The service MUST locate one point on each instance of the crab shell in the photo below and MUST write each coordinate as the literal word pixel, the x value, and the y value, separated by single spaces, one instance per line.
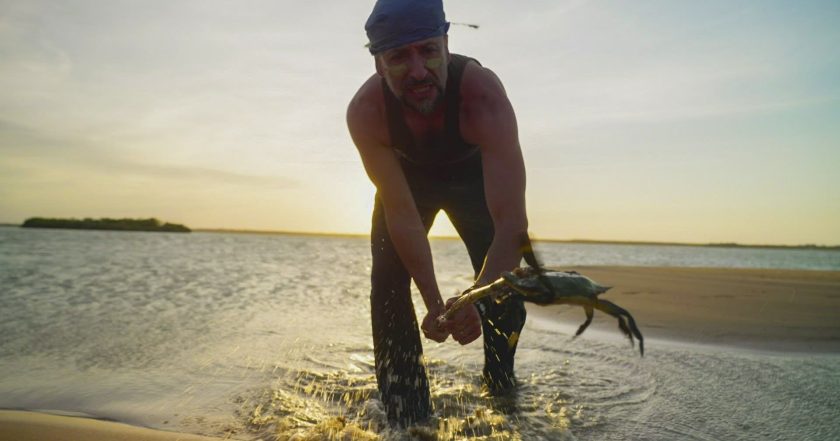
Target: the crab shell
pixel 551 286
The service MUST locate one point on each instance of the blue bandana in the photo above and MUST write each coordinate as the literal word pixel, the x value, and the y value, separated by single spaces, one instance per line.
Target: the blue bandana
pixel 394 23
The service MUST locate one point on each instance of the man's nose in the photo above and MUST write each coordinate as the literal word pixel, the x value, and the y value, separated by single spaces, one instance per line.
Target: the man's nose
pixel 417 67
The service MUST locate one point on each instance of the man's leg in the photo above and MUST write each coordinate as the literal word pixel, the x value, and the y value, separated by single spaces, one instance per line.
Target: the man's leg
pixel 501 323
pixel 398 352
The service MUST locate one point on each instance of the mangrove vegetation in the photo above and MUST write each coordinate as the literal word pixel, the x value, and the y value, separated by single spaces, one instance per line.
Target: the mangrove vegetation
pixel 150 224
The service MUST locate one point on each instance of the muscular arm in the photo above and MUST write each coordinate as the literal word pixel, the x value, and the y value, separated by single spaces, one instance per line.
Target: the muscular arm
pixel 369 133
pixel 488 120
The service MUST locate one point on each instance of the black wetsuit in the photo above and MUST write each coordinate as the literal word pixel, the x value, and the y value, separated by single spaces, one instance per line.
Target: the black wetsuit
pixel 444 175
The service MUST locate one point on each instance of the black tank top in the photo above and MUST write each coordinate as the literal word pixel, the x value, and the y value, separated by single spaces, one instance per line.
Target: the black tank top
pixel 449 147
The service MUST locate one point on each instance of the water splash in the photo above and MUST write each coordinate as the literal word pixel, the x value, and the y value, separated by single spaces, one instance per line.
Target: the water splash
pixel 342 405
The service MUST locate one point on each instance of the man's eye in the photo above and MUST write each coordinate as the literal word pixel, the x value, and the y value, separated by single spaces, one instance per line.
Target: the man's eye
pixel 396 58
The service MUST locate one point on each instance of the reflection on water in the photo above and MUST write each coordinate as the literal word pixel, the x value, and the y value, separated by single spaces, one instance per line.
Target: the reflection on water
pixel 268 337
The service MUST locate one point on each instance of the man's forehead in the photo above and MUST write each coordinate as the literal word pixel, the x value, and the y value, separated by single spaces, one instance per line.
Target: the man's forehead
pixel 440 41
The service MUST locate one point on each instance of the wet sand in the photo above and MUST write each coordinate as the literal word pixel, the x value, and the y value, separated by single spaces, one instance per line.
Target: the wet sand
pixel 33 426
pixel 779 310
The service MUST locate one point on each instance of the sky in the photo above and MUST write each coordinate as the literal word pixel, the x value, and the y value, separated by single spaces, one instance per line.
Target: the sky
pixel 674 121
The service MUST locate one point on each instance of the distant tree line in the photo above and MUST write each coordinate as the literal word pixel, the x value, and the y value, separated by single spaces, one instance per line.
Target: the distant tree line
pixel 150 224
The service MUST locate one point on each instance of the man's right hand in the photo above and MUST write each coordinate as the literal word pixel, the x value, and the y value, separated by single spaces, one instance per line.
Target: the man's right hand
pixel 431 327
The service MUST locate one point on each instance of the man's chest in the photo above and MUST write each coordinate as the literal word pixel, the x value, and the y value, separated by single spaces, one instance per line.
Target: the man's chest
pixel 426 131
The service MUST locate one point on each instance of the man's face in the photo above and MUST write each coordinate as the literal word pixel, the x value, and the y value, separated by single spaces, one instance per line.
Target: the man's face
pixel 416 72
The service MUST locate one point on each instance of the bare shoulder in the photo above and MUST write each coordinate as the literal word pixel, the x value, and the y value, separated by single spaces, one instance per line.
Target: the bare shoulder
pixel 485 107
pixel 368 127
pixel 366 114
pixel 481 86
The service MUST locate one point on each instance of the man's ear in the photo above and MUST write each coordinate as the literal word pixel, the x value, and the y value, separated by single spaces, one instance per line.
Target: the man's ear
pixel 377 61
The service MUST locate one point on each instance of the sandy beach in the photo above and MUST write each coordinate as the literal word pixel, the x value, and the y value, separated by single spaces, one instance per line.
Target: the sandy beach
pixel 33 426
pixel 778 310
pixel 781 310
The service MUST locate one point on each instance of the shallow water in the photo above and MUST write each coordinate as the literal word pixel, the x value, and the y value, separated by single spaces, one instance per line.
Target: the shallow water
pixel 268 337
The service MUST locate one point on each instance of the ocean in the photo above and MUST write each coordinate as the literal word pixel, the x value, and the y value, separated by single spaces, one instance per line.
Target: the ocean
pixel 268 337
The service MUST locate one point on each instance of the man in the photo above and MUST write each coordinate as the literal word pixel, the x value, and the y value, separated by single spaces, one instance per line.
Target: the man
pixel 435 131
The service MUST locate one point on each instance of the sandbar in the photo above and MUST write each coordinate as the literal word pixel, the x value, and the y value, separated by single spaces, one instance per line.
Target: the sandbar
pixel 763 309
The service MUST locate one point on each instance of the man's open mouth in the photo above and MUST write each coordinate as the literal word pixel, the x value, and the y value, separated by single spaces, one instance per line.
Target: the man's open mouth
pixel 422 90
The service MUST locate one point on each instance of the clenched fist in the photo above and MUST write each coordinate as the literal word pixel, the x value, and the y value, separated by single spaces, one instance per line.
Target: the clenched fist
pixel 465 325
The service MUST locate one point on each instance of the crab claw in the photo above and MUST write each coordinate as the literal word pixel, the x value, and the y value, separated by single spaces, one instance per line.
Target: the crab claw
pixel 471 296
pixel 527 251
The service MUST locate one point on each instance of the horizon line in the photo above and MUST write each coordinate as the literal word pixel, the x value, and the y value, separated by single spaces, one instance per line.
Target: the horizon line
pixel 535 239
pixel 554 240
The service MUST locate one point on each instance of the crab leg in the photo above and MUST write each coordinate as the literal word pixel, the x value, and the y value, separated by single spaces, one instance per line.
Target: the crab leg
pixel 624 319
pixel 590 313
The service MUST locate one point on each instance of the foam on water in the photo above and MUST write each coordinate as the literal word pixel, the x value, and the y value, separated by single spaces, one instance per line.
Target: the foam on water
pixel 268 337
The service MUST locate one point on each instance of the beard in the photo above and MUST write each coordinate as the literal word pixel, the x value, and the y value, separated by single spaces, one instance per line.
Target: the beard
pixel 427 105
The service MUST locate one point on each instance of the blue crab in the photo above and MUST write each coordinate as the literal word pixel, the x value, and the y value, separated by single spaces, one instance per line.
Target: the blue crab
pixel 543 287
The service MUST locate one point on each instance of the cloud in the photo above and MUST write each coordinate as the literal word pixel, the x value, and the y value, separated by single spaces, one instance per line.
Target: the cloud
pixel 37 149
